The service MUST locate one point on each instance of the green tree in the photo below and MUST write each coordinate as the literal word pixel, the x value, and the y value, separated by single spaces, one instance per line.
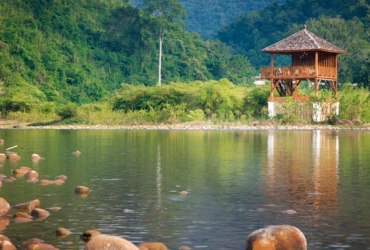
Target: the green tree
pixel 166 13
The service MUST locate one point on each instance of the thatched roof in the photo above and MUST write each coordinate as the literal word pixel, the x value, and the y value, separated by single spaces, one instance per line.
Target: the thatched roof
pixel 303 40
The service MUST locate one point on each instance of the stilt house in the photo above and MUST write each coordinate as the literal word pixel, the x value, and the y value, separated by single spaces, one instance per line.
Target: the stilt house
pixel 313 59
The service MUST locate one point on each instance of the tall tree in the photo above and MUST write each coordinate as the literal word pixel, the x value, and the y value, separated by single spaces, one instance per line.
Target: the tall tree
pixel 167 13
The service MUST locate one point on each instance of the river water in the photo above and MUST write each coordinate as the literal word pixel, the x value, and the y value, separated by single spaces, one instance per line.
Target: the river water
pixel 237 182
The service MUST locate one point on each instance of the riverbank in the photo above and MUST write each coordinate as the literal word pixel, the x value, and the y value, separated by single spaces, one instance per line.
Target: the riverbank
pixel 190 126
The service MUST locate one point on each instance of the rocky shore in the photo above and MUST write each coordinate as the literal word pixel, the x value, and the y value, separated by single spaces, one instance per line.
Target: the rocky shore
pixel 193 126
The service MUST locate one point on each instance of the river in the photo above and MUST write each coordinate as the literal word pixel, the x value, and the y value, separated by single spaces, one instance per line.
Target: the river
pixel 237 182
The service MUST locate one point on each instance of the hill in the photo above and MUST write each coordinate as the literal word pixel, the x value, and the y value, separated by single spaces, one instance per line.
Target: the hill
pixel 206 17
pixel 82 51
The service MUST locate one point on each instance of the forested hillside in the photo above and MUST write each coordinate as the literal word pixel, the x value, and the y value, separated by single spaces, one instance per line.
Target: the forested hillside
pixel 206 17
pixel 343 23
pixel 82 51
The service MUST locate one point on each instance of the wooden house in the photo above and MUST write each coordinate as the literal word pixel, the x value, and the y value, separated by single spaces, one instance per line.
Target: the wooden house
pixel 313 59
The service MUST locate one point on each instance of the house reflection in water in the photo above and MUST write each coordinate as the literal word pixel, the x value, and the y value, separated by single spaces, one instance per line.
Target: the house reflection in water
pixel 303 169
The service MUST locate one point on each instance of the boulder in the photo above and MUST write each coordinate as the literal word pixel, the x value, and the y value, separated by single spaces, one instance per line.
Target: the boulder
pixel 152 246
pixel 40 214
pixel 277 237
pixel 101 242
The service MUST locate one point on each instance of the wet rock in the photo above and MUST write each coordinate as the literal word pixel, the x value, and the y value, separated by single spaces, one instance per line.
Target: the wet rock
pixel 184 248
pixel 277 237
pixel 4 207
pixel 183 192
pixel 36 157
pixel 61 177
pixel 88 234
pixel 2 157
pixel 58 182
pixel 62 232
pixel 31 175
pixel 28 205
pixel 21 215
pixel 102 241
pixel 21 171
pixel 10 179
pixel 46 182
pixel 4 222
pixel 76 153
pixel 82 190
pixel 41 246
pixel 5 243
pixel 152 246
pixel 14 157
pixel 28 242
pixel 40 214
pixel 54 208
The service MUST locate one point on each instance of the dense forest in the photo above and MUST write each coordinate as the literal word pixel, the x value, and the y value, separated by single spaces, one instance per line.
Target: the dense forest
pixel 205 17
pixel 82 51
pixel 65 54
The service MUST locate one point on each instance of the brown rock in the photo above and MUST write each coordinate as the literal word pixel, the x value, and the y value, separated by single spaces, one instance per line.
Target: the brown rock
pixel 62 232
pixel 277 237
pixel 76 153
pixel 46 182
pixel 36 157
pixel 88 234
pixel 82 190
pixel 152 246
pixel 22 220
pixel 31 175
pixel 28 205
pixel 14 157
pixel 2 157
pixel 6 245
pixel 41 246
pixel 184 248
pixel 4 207
pixel 21 171
pixel 61 177
pixel 100 242
pixel 21 215
pixel 59 182
pixel 4 222
pixel 28 242
pixel 39 214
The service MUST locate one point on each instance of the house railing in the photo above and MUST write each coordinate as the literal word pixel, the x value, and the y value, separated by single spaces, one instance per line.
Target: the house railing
pixel 297 72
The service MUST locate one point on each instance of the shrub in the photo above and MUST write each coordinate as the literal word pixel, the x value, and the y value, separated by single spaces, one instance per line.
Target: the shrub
pixel 67 111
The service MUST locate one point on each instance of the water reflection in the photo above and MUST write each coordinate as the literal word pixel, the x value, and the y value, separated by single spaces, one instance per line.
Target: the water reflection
pixel 304 169
pixel 159 178
pixel 239 181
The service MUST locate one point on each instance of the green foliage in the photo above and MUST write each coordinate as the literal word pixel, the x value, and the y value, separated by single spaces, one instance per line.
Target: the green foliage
pixel 255 101
pixel 82 51
pixel 218 100
pixel 67 111
pixel 354 103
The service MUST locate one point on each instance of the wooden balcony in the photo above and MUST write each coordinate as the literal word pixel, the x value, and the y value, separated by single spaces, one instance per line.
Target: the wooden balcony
pixel 298 72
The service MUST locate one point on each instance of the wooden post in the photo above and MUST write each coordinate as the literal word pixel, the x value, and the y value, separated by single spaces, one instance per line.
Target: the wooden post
pixel 336 76
pixel 316 73
pixel 272 87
